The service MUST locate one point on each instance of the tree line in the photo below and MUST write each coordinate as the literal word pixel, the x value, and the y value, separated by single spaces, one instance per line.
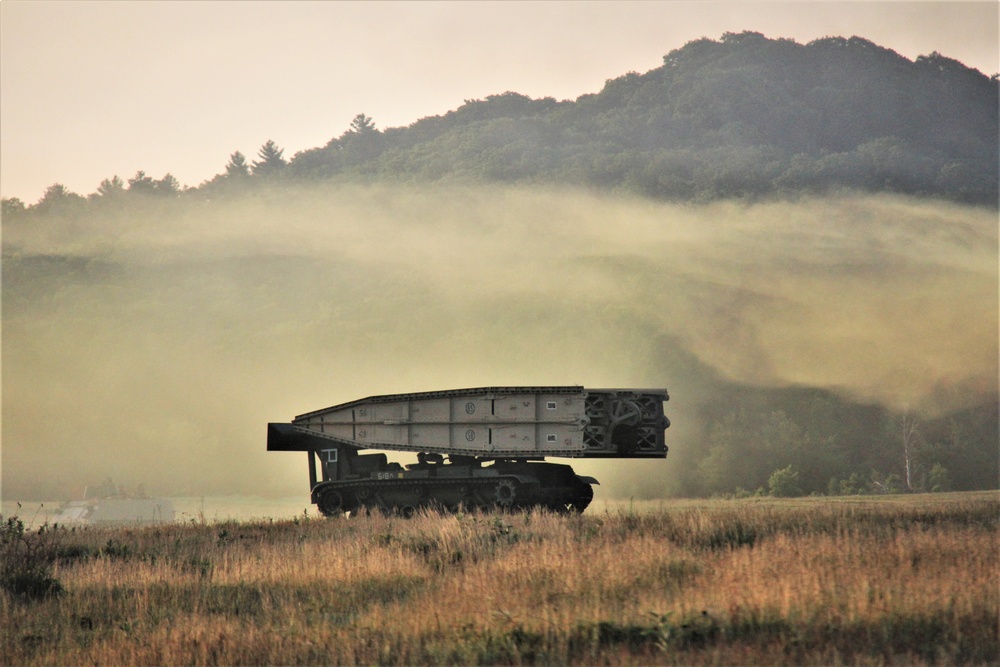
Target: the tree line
pixel 743 116
pixel 809 441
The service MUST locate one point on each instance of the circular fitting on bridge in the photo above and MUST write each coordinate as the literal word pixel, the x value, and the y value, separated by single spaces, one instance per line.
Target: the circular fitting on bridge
pixel 625 413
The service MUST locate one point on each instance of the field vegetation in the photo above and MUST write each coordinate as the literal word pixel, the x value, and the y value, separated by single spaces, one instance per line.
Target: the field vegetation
pixel 894 580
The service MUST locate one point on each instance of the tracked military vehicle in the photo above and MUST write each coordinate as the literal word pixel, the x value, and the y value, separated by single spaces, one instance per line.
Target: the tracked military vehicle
pixel 476 448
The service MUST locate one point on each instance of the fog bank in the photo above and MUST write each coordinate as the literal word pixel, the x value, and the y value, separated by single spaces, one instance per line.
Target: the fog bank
pixel 155 347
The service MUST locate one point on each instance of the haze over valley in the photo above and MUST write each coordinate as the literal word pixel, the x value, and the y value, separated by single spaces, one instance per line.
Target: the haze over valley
pixel 804 272
pixel 156 347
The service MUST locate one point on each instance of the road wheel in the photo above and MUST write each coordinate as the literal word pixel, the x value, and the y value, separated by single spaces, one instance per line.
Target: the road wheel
pixel 331 503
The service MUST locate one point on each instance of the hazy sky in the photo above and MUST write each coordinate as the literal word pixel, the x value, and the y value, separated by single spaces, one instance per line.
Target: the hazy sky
pixel 95 89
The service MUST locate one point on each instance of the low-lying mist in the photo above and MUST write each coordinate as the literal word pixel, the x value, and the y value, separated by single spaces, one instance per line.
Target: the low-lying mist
pixel 155 347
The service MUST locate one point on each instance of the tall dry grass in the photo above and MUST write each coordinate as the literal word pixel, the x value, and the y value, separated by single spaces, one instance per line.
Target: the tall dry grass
pixel 905 581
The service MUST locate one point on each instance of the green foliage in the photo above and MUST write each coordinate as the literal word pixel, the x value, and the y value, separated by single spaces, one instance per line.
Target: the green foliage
pixel 837 446
pixel 938 479
pixel 271 162
pixel 26 560
pixel 59 201
pixel 784 483
pixel 141 184
pixel 11 207
pixel 965 442
pixel 858 484
pixel 891 483
pixel 111 187
pixel 168 185
pixel 853 485
pixel 237 166
pixel 117 550
pixel 744 116
pixel 747 445
pixel 362 124
pixel 663 632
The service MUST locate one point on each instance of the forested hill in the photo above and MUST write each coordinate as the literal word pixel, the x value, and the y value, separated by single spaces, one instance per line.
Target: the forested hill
pixel 742 116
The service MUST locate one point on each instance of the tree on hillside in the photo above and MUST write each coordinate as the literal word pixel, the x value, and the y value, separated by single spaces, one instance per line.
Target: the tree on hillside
pixel 141 184
pixel 271 162
pixel 167 186
pixel 237 167
pixel 111 187
pixel 362 125
pixel 11 206
pixel 54 193
pixel 58 198
pixel 361 142
pixel 744 116
pixel 235 177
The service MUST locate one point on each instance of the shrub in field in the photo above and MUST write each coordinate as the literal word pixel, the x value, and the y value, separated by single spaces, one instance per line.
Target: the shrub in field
pixel 891 483
pixel 784 483
pixel 852 486
pixel 26 559
pixel 938 479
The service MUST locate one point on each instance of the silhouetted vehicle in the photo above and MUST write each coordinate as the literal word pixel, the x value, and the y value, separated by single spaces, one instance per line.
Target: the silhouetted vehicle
pixel 495 440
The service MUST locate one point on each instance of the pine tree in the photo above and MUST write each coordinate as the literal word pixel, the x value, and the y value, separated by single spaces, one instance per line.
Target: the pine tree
pixel 111 187
pixel 271 162
pixel 237 167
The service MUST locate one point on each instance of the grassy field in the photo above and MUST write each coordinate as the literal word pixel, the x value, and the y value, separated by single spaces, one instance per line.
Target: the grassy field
pixel 898 580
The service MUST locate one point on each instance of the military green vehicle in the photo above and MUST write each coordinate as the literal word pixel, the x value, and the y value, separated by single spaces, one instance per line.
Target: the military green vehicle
pixel 476 448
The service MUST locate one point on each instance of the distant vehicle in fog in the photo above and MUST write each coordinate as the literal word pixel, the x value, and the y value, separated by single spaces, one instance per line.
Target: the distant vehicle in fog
pixel 111 504
pixel 115 511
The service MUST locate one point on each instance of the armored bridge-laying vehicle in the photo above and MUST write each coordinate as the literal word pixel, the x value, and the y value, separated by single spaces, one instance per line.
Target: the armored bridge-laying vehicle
pixel 495 440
